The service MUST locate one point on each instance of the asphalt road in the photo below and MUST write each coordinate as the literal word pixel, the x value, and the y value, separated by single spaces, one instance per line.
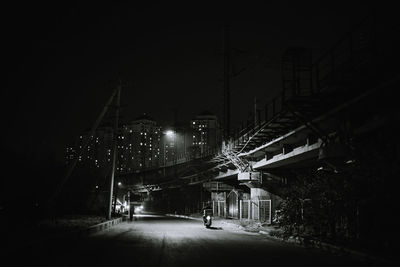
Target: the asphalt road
pixel 156 240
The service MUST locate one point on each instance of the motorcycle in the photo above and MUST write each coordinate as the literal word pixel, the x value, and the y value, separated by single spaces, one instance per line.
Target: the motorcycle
pixel 207 217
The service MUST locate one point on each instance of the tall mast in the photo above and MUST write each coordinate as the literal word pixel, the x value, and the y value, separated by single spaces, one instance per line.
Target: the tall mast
pixel 83 148
pixel 227 104
pixel 114 158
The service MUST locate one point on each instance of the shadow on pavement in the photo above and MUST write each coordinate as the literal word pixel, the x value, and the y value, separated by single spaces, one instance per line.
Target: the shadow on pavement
pixel 215 228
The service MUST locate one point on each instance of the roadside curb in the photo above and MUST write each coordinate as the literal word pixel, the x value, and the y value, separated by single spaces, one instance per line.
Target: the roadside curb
pixel 100 227
pixel 73 234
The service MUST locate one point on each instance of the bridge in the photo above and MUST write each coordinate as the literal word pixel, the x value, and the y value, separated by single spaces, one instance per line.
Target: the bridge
pixel 324 108
pixel 324 119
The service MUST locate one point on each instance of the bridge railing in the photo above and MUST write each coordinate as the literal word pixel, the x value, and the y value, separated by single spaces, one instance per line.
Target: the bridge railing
pixel 270 111
pixel 352 55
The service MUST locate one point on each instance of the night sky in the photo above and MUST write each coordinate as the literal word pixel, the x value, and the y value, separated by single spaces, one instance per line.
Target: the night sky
pixel 62 61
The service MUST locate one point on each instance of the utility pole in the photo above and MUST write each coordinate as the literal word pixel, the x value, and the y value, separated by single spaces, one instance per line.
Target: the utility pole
pixel 174 136
pixel 60 186
pixel 116 189
pixel 227 104
pixel 255 112
pixel 114 160
pixel 129 205
pixel 175 130
pixel 164 148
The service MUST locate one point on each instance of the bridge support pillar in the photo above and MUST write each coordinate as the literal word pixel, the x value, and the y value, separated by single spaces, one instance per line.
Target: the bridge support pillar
pixel 263 203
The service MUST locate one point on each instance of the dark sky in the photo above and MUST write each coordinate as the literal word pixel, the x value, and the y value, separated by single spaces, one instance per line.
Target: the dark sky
pixel 62 61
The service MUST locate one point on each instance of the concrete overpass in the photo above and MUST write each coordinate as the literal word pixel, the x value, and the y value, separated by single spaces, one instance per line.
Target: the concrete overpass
pixel 323 105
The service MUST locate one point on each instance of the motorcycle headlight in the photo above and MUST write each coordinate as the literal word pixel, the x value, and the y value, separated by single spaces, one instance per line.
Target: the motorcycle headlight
pixel 208 217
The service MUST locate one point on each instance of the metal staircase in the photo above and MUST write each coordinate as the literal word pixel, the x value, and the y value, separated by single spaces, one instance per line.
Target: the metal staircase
pixel 239 163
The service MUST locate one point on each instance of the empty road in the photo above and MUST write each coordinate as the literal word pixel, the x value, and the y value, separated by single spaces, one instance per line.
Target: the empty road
pixel 157 240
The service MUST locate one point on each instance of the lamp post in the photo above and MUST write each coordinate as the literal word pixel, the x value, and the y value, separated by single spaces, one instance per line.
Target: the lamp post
pixel 168 134
pixel 115 152
pixel 129 205
pixel 165 147
pixel 115 196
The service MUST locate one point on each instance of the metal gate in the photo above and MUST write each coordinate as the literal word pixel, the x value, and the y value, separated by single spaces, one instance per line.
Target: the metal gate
pixel 265 211
pixel 245 209
pixel 219 208
pixel 233 204
pixel 261 210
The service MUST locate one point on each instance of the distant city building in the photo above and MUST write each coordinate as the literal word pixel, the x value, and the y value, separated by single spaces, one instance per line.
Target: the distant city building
pixel 206 132
pixel 98 150
pixel 140 144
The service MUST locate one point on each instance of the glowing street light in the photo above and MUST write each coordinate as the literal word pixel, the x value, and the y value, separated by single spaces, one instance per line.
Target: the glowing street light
pixel 170 133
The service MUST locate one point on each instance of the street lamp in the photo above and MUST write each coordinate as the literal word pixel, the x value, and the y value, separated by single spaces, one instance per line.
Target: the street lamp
pixel 169 134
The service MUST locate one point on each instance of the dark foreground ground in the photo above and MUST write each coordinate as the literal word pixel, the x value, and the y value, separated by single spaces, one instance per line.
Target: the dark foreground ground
pixel 157 240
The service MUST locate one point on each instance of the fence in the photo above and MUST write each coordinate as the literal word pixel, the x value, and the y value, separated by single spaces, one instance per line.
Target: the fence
pixel 259 210
pixel 219 208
